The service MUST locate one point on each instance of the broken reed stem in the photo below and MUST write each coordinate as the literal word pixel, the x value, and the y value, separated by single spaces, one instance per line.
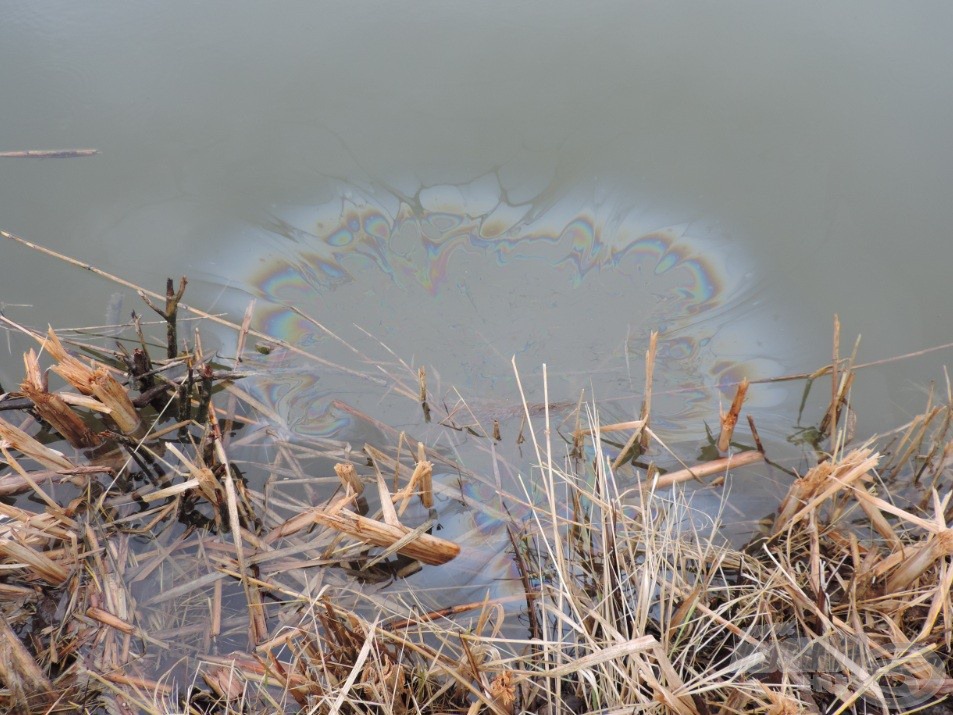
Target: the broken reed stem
pixel 52 408
pixel 424 548
pixel 730 418
pixel 243 333
pixel 349 479
pixel 40 453
pixel 13 484
pixel 627 448
pixel 99 383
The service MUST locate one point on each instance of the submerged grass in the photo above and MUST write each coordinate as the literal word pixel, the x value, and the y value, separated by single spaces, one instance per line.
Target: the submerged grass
pixel 142 571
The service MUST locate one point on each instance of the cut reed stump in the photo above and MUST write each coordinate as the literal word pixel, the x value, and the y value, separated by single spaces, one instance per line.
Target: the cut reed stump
pixel 730 418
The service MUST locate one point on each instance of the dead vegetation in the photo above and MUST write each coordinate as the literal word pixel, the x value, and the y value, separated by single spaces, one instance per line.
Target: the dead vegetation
pixel 142 570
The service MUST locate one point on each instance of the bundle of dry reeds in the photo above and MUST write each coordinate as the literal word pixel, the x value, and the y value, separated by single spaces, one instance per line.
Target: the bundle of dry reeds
pixel 138 549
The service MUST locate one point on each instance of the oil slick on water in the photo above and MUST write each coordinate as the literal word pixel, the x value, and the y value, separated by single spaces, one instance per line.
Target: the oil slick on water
pixel 458 279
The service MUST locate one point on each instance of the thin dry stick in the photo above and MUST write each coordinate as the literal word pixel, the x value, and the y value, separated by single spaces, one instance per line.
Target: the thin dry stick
pixel 716 466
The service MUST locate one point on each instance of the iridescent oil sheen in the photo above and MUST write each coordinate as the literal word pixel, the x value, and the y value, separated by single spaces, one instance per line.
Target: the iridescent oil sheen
pixel 460 281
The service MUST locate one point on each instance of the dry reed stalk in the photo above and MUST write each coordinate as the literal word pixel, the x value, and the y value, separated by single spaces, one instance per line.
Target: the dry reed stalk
pixel 606 429
pixel 257 626
pixel 297 523
pixel 243 332
pixel 716 466
pixel 862 495
pixel 383 461
pixel 942 605
pixel 840 388
pixel 912 440
pixel 108 619
pixel 39 564
pixel 647 398
pixel 31 528
pixel 225 682
pixel 730 419
pixel 143 684
pixel 876 517
pixel 829 422
pixel 203 479
pixel 252 668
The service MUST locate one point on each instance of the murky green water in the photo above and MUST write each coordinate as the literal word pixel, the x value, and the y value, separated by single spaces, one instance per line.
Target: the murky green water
pixel 470 182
